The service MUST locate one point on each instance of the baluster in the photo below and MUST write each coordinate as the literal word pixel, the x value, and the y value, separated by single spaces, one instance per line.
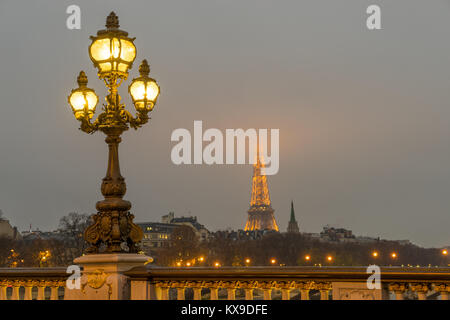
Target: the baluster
pixel 231 293
pixel 54 286
pixel 28 289
pixel 164 293
pixel 286 288
pixel 214 293
pixel 3 286
pixel 304 288
pixel 180 293
pixel 15 292
pixel 41 290
pixel 231 287
pixel 249 293
pixel 249 286
pixel 324 289
pixel 197 293
pixel 304 294
pixel 213 289
pixel 285 294
pixel 196 288
pixel 267 290
pixel 398 289
pixel 180 286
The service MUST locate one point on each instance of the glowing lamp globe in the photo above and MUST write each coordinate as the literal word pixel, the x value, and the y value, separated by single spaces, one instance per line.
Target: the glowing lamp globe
pixel 112 51
pixel 83 100
pixel 144 90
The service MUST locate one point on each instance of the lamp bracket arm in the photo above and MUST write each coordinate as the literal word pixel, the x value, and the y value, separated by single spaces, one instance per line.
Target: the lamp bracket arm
pixel 87 126
pixel 138 121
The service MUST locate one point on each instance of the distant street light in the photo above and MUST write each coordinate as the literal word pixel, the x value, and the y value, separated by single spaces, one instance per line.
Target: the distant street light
pixel 247 261
pixel 444 252
pixel 329 258
pixel 273 261
pixel 375 254
pixel 216 264
pixel 307 257
pixel 394 255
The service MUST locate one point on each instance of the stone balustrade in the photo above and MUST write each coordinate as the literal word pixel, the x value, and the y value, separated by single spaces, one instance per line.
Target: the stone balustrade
pixel 238 283
pixel 32 283
pixel 286 283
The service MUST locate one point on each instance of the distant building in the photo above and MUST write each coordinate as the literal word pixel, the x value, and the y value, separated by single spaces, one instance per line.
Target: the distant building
pixel 336 234
pixel 8 231
pixel 158 234
pixel 199 229
pixel 293 225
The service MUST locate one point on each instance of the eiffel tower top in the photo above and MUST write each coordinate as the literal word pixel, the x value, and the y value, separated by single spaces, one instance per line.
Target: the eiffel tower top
pixel 260 190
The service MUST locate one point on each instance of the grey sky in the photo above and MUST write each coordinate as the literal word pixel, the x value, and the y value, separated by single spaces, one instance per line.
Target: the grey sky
pixel 364 116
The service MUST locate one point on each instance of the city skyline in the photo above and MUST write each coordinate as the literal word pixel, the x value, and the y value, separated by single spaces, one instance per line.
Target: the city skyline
pixel 364 116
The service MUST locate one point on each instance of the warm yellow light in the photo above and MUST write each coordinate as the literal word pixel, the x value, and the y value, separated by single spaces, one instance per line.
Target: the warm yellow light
pixel 329 258
pixel 178 264
pixel 137 90
pixel 307 257
pixel 83 100
pixel 188 264
pixel 144 93
pixel 114 54
pixel 152 90
pixel 128 51
pixel 247 261
pixel 115 49
pixel 144 90
pixel 444 252
pixel 374 254
pixel 201 259
pixel 393 255
pixel 273 261
pixel 216 264
pixel 79 100
pixel 101 49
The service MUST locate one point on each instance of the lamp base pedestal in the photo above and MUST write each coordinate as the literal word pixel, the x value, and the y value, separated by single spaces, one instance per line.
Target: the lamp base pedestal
pixel 103 276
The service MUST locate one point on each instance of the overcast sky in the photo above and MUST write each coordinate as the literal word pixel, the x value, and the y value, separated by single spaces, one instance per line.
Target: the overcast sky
pixel 364 116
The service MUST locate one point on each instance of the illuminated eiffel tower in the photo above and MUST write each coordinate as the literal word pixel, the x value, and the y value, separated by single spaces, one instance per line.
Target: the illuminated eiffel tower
pixel 260 214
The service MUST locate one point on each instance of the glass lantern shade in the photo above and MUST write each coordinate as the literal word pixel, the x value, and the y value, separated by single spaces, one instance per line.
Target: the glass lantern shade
pixel 144 93
pixel 144 90
pixel 112 52
pixel 83 100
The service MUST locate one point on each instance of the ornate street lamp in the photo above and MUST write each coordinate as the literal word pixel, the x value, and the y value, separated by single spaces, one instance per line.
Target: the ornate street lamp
pixel 113 54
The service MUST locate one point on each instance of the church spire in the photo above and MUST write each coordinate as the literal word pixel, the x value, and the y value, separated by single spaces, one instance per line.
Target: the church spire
pixel 293 225
pixel 292 212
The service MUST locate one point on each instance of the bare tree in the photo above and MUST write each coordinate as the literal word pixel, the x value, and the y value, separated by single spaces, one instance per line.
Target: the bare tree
pixel 72 228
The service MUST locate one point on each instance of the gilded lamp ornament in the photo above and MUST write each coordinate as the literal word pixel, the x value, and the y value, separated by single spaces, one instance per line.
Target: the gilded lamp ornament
pixel 113 54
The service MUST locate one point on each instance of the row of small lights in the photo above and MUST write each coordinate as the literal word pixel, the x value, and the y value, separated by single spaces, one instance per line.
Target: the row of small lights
pixel 273 261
